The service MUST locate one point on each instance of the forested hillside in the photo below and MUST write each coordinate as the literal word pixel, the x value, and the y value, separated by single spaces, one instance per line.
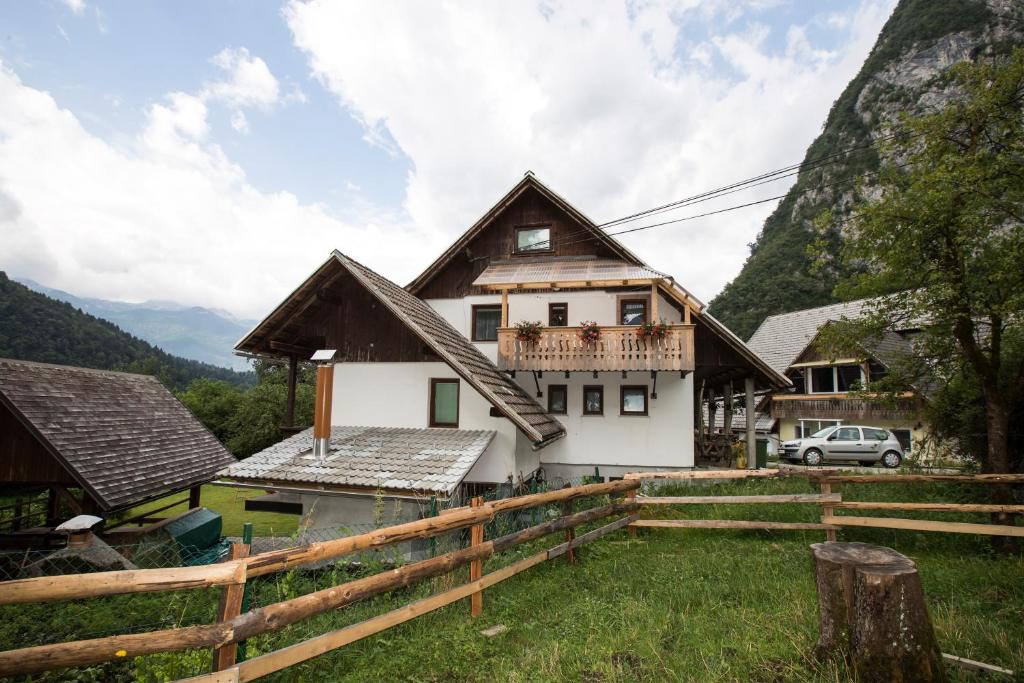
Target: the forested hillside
pixel 35 327
pixel 921 40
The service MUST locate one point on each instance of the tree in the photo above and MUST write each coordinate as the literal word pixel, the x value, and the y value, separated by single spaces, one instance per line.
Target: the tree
pixel 941 246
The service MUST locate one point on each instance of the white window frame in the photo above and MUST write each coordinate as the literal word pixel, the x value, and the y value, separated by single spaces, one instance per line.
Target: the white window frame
pixel 803 431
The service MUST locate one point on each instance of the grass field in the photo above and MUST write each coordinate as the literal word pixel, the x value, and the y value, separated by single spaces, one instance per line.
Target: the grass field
pixel 671 605
pixel 230 503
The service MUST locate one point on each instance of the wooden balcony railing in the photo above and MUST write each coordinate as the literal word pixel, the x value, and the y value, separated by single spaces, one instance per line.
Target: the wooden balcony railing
pixel 619 348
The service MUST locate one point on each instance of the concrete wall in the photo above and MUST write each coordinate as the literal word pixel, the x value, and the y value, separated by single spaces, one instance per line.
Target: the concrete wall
pixel 398 395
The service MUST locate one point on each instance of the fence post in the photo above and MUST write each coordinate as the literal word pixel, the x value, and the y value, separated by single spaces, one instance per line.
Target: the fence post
pixel 230 607
pixel 570 533
pixel 433 513
pixel 826 512
pixel 631 498
pixel 476 600
pixel 247 593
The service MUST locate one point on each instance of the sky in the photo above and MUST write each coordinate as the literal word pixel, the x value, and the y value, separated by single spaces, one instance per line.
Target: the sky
pixel 215 152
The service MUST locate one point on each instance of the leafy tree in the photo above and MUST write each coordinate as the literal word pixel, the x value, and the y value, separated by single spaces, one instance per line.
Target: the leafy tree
pixel 942 248
pixel 215 404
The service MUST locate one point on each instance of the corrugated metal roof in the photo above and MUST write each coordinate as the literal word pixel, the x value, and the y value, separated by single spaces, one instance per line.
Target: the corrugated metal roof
pixel 123 437
pixel 391 458
pixel 531 270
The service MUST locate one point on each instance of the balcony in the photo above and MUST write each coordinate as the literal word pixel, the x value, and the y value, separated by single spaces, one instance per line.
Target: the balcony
pixel 561 349
pixel 841 406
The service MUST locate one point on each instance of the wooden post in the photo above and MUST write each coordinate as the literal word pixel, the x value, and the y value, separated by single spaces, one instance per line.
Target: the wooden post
pixel 686 314
pixel 194 495
pixel 872 610
pixel 52 507
pixel 826 513
pixel 247 591
pixel 654 302
pixel 504 308
pixel 631 498
pixel 230 607
pixel 570 533
pixel 727 413
pixel 748 388
pixel 476 568
pixel 289 410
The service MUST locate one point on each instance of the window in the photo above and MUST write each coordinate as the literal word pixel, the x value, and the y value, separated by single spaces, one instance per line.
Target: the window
pixel 875 434
pixel 633 400
pixel 530 240
pixel 903 436
pixel 876 371
pixel 808 427
pixel 593 400
pixel 848 377
pixel 444 403
pixel 823 380
pixel 799 383
pixel 558 315
pixel 558 399
pixel 632 311
pixel 847 434
pixel 486 320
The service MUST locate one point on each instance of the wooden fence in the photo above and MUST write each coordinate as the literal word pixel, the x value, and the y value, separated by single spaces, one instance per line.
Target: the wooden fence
pixel 233 625
pixel 830 501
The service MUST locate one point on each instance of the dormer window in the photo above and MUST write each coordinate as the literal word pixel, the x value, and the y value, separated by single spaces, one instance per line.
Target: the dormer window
pixel 533 240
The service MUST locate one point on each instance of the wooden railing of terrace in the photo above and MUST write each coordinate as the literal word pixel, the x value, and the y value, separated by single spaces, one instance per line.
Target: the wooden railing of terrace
pixel 619 348
pixel 233 626
pixel 829 501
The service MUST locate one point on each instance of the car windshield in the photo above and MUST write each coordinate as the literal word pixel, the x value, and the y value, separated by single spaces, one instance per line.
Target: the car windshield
pixel 822 433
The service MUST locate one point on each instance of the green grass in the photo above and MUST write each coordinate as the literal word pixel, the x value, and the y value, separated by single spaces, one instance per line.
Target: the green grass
pixel 230 503
pixel 671 605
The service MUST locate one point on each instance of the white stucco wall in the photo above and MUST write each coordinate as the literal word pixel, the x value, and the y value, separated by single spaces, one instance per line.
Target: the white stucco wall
pixel 398 395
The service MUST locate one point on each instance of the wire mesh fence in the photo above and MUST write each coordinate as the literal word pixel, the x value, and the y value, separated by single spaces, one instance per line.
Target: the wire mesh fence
pixel 38 624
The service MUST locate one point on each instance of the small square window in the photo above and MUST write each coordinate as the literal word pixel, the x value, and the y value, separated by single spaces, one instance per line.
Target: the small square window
pixel 633 312
pixel 558 315
pixel 558 399
pixel 634 400
pixel 529 240
pixel 444 403
pixel 593 400
pixel 486 320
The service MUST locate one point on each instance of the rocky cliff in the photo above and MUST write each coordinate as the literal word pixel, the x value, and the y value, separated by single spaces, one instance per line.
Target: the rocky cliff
pixel 921 40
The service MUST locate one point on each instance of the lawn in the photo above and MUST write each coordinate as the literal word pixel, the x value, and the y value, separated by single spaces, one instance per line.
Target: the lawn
pixel 670 605
pixel 230 503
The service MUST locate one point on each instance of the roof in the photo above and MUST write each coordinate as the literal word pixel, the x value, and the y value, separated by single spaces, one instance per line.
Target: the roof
pixel 529 181
pixel 563 269
pixel 390 458
pixel 445 341
pixel 783 337
pixel 123 437
pixel 762 421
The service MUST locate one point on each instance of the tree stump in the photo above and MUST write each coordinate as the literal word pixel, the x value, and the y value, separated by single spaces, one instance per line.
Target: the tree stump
pixel 872 611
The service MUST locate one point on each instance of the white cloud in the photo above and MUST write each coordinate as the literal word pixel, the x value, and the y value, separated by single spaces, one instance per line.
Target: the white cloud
pixel 76 6
pixel 166 215
pixel 249 81
pixel 597 99
pixel 239 122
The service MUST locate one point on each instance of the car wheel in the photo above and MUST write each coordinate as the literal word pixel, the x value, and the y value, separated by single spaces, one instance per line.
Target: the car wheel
pixel 892 459
pixel 812 457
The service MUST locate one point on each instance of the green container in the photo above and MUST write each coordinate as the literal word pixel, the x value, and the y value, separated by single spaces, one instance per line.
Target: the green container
pixel 761 447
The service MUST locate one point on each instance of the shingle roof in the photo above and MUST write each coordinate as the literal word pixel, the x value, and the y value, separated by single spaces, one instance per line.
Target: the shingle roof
pixel 762 421
pixel 781 338
pixel 389 458
pixel 460 354
pixel 123 437
pixel 564 269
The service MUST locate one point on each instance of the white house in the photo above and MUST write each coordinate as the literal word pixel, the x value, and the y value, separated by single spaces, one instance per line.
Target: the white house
pixel 441 374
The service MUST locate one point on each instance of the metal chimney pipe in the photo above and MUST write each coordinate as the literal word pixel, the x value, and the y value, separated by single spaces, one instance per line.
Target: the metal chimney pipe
pixel 322 407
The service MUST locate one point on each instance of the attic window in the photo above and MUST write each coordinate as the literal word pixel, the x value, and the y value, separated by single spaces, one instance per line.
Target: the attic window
pixel 531 240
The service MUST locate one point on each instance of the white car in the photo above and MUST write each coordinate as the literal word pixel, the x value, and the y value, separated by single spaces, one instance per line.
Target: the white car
pixel 866 445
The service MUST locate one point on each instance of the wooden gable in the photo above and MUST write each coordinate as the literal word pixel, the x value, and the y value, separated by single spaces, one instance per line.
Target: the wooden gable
pixel 493 238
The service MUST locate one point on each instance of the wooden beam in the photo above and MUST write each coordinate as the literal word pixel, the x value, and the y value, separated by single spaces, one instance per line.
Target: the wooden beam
pixel 294 349
pixel 925 525
pixel 504 308
pixel 729 524
pixel 928 507
pixel 972 665
pixel 476 567
pixel 194 496
pixel 897 478
pixel 654 302
pixel 741 500
pixel 705 474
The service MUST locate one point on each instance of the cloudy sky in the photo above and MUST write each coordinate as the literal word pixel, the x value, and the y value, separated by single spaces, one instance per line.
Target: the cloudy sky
pixel 213 153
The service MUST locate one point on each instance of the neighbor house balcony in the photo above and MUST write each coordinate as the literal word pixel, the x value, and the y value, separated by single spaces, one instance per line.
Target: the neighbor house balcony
pixel 843 406
pixel 619 348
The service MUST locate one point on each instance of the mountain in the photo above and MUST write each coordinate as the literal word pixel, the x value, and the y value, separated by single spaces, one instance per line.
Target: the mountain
pixel 36 327
pixel 920 41
pixel 201 334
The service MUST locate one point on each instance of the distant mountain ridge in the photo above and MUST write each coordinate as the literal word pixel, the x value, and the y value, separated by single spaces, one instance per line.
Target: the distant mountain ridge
pixel 202 334
pixel 920 42
pixel 34 326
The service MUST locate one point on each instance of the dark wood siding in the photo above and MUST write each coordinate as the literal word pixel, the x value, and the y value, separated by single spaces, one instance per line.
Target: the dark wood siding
pixel 497 241
pixel 23 459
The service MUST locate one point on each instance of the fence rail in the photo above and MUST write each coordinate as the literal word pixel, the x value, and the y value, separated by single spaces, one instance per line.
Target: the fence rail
pixel 234 626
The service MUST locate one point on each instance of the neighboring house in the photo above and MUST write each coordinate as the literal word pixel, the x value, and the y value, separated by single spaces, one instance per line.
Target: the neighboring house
pixel 100 441
pixel 822 385
pixel 439 363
